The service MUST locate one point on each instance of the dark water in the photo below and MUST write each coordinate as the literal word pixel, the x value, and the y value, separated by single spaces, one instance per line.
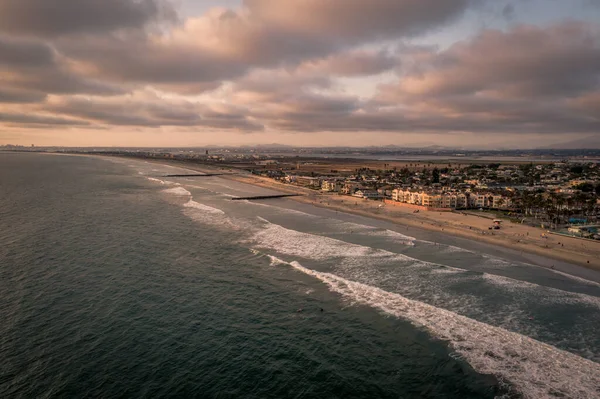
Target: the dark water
pixel 113 285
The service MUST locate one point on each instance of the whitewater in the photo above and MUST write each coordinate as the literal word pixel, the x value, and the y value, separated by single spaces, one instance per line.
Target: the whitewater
pixel 505 341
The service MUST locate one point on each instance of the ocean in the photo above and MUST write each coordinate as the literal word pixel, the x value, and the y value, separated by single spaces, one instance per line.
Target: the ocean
pixel 117 281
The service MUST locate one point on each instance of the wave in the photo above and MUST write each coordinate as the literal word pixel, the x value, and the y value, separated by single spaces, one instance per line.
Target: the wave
pixel 305 245
pixel 345 227
pixel 202 207
pixel 578 279
pixel 177 191
pixel 359 259
pixel 532 368
pixel 155 180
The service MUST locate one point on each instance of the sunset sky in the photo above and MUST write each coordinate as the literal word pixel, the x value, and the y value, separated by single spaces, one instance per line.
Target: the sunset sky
pixel 493 73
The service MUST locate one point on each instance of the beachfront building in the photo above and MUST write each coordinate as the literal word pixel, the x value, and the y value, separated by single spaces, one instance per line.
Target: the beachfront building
pixel 350 187
pixel 306 181
pixel 368 194
pixel 331 186
pixel 450 199
pixel 489 201
pixel 455 200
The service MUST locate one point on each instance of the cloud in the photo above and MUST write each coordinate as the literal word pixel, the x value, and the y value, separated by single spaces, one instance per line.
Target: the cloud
pixel 27 119
pixel 30 68
pixel 508 12
pixel 351 63
pixel 224 44
pixel 61 17
pixel 20 96
pixel 357 20
pixel 293 66
pixel 25 52
pixel 527 79
pixel 146 109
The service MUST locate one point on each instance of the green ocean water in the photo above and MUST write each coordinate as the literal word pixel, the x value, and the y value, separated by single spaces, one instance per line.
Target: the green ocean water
pixel 118 282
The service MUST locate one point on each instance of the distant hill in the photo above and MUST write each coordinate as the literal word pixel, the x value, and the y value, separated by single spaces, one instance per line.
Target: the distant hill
pixel 590 142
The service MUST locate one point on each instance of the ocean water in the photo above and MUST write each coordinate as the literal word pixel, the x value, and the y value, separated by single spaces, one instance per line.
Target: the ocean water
pixel 118 282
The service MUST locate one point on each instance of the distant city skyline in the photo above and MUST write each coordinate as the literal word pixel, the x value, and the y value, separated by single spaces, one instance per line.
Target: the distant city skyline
pixel 458 73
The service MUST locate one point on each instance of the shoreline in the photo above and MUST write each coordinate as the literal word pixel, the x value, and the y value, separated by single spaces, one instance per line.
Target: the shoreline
pixel 514 237
pixel 528 244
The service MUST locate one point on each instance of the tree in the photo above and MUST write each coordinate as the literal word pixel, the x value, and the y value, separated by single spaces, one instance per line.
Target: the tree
pixel 435 175
pixel 576 170
pixel 585 187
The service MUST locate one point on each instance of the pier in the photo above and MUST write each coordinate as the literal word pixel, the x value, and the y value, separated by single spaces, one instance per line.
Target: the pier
pixel 260 197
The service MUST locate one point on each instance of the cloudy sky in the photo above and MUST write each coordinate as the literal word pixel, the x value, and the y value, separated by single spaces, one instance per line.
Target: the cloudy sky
pixel 495 73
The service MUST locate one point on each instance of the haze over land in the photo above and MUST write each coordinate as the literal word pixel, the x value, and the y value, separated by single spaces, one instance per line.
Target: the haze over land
pixel 458 73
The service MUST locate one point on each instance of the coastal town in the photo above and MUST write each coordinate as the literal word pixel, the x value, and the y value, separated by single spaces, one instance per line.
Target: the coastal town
pixel 562 196
pixel 555 191
pixel 553 195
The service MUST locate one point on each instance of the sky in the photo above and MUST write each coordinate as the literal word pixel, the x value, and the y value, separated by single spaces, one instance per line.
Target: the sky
pixel 156 73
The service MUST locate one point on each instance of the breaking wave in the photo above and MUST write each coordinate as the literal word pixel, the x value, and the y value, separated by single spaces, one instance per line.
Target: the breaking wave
pixel 533 369
pixel 177 191
pixel 202 207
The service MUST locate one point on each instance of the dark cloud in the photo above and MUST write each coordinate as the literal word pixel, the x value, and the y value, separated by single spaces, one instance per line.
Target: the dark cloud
pixel 26 119
pixel 30 69
pixel 508 12
pixel 20 96
pixel 147 110
pixel 60 17
pixel 19 52
pixel 358 20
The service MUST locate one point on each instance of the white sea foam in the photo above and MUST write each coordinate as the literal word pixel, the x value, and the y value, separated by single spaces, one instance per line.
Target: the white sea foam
pixel 202 207
pixel 534 369
pixel 445 248
pixel 415 275
pixel 275 261
pixel 281 209
pixel 177 191
pixel 575 278
pixel 296 243
pixel 391 235
pixel 152 179
pixel 543 293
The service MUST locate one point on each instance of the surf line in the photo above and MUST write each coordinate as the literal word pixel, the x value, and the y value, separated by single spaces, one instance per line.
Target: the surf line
pixel 529 366
pixel 259 197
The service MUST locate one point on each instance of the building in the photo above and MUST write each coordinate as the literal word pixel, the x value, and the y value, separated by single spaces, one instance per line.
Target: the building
pixel 450 199
pixel 350 187
pixel 331 186
pixel 368 194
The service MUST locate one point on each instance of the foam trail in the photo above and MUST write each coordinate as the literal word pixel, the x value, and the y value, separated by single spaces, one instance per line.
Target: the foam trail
pixel 155 180
pixel 534 369
pixel 292 242
pixel 356 259
pixel 202 207
pixel 575 278
pixel 177 191
pixel 282 210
